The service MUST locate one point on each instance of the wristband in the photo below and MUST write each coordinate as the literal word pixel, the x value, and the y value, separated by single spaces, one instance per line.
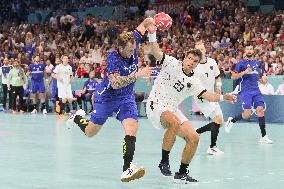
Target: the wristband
pixel 221 98
pixel 152 37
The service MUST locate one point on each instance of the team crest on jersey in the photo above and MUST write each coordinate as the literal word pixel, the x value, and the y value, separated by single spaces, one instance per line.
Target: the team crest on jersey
pixel 188 85
pixel 211 67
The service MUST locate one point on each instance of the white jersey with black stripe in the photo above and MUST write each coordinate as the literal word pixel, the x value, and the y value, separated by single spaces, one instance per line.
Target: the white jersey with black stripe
pixel 172 86
pixel 207 73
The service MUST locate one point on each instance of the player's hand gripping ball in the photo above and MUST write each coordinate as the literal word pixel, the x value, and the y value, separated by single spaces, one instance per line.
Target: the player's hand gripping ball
pixel 163 21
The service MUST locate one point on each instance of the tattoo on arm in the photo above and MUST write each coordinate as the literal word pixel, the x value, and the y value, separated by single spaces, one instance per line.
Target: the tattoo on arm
pixel 118 81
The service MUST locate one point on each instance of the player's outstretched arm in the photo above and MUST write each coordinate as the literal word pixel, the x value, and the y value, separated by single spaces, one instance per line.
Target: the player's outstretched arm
pixel 213 97
pixel 156 51
pixel 117 81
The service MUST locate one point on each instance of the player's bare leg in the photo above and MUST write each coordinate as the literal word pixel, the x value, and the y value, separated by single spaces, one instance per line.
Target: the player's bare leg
pixel 191 137
pixel 171 123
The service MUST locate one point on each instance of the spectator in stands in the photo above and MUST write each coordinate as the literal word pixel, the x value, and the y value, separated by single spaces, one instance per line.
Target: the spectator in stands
pixel 280 89
pixel 265 87
pixel 81 71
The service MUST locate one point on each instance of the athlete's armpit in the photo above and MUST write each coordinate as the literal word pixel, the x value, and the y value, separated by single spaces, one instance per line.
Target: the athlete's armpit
pixel 118 81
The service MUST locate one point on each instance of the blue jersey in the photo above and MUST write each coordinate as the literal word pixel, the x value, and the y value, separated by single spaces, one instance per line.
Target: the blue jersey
pixel 53 81
pixel 124 67
pixel 37 71
pixel 248 82
pixel 30 50
pixel 5 70
pixel 90 85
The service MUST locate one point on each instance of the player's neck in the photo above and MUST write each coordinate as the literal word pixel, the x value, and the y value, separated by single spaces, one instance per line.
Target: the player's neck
pixel 203 60
pixel 187 72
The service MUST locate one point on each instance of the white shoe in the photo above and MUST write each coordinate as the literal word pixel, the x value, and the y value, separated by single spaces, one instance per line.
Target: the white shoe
pixel 70 122
pixel 34 111
pixel 132 173
pixel 265 140
pixel 214 151
pixel 229 125
pixel 44 111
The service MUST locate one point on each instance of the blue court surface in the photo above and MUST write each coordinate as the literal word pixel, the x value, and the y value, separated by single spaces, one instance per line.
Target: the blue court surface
pixel 39 152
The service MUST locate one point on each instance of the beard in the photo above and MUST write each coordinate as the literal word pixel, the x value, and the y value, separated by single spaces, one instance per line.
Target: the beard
pixel 249 55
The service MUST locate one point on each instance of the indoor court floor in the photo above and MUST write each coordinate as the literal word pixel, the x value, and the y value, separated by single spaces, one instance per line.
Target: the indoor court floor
pixel 38 152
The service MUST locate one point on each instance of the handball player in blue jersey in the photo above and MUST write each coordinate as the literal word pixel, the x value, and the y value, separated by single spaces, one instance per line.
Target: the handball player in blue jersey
pixel 88 90
pixel 247 73
pixel 37 71
pixel 115 96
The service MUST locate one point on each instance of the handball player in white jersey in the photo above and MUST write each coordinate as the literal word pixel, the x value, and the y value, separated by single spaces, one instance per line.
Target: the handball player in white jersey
pixel 64 76
pixel 174 84
pixel 209 75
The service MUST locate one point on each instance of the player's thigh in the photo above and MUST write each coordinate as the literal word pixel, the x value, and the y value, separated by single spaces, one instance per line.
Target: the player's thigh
pixel 246 100
pixel 188 133
pixel 126 110
pixel 101 112
pixel 172 119
pixel 41 87
pixel 217 115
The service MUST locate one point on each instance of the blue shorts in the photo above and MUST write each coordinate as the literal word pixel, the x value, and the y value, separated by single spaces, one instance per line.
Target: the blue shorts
pixel 122 111
pixel 251 100
pixel 37 86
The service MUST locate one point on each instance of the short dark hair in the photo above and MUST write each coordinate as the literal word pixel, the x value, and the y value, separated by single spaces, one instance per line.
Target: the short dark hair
pixel 249 43
pixel 195 52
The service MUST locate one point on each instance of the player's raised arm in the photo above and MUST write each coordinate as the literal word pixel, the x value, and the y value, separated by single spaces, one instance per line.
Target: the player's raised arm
pixel 163 22
pixel 146 25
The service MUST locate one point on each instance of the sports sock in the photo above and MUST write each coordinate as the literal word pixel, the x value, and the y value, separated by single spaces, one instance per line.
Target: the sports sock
pixel 34 106
pixel 43 106
pixel 183 168
pixel 128 150
pixel 204 128
pixel 81 122
pixel 165 156
pixel 261 121
pixel 214 133
pixel 62 108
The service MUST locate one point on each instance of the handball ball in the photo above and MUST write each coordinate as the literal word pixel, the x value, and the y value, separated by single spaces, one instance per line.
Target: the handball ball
pixel 163 21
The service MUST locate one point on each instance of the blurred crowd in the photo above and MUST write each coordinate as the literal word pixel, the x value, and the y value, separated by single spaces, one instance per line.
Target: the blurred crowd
pixel 225 26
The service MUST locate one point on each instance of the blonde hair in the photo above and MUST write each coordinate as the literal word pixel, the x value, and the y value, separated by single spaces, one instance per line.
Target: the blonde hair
pixel 124 38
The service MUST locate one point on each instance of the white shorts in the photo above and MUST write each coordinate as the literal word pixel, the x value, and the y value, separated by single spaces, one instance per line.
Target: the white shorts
pixel 155 110
pixel 65 91
pixel 209 109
